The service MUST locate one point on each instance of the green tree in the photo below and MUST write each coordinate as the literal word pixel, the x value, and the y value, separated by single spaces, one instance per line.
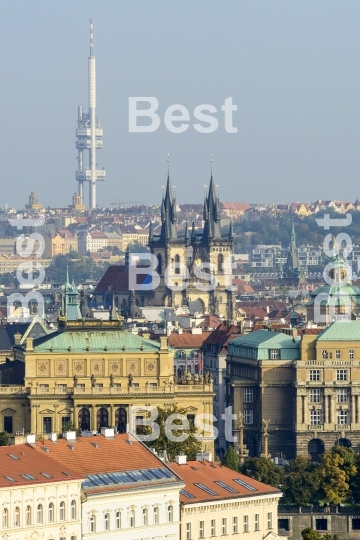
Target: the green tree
pixel 311 534
pixel 3 438
pixel 301 482
pixel 334 480
pixel 190 445
pixel 264 470
pixel 231 459
pixel 136 247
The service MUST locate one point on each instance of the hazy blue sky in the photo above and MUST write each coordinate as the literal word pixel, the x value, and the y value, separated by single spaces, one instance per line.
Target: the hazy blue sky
pixel 291 67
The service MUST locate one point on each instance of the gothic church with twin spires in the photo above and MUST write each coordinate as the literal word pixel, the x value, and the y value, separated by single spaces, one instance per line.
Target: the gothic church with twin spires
pixel 189 249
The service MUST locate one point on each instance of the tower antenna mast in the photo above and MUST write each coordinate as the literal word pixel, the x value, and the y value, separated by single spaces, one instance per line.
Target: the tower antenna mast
pixel 89 135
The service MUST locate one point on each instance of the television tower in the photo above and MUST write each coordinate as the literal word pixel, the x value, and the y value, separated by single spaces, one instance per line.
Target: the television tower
pixel 89 136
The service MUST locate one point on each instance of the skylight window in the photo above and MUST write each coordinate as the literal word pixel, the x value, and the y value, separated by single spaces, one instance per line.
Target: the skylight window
pixel 225 486
pixel 187 494
pixel 244 484
pixel 28 476
pixel 66 473
pixel 206 489
pixel 46 475
pixel 195 468
pixel 10 479
pixel 12 456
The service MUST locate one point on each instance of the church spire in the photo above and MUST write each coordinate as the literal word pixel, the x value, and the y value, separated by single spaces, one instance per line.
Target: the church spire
pixel 168 215
pixel 211 214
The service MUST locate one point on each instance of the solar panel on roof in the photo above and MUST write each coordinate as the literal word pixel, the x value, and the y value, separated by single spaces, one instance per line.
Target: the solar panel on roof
pixel 206 489
pixel 244 484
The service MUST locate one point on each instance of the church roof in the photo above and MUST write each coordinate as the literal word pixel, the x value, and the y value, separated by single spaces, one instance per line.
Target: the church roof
pixel 94 341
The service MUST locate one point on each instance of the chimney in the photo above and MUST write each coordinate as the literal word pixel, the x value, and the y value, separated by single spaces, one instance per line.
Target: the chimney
pixel 17 338
pixel 201 456
pixel 180 331
pixel 52 437
pixel 29 344
pixel 146 335
pixel 267 309
pixel 70 435
pixel 181 459
pixel 31 438
pixel 109 433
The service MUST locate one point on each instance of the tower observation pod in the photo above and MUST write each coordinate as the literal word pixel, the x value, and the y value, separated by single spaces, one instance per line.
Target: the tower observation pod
pixel 89 135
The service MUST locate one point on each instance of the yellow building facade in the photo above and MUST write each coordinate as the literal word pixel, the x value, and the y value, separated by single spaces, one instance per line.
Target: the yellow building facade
pixel 92 374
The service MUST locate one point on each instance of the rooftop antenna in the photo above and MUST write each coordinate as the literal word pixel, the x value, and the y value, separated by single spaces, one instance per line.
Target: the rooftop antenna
pixel 168 162
pixel 211 161
pixel 91 38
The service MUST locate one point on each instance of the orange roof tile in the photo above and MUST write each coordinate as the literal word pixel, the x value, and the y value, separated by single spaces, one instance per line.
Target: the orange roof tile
pixel 26 461
pixel 207 474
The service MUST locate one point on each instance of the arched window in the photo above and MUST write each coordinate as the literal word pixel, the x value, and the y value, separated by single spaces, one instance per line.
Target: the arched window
pixel 145 516
pixel 102 418
pixel 177 264
pixel 39 514
pixel 107 522
pixel 84 419
pixel 121 419
pixel 92 524
pixel 118 520
pixel 156 515
pixel 170 513
pixel 17 517
pixel 28 515
pixel 132 518
pixel 181 354
pixel 62 511
pixel 51 513
pixel 220 262
pixel 73 509
pixel 5 518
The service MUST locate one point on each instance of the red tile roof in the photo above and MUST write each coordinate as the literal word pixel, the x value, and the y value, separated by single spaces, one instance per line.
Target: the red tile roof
pixel 114 454
pixel 29 462
pixel 221 336
pixel 206 473
pixel 187 340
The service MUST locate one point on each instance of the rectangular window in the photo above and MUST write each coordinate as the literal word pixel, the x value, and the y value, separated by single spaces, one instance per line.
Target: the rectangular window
pixel 47 424
pixel 246 523
pixel 44 387
pixel 248 416
pixel 338 355
pixel 314 374
pixel 269 520
pixel 325 355
pixel 117 386
pixel 202 529
pixel 188 531
pixel 351 355
pixel 274 354
pixel 65 420
pixel 341 374
pixel 257 522
pixel 321 524
pixel 235 525
pixel 212 527
pixel 315 395
pixel 315 418
pixel 342 395
pixel 342 417
pixel 248 395
pixel 8 424
pixel 224 526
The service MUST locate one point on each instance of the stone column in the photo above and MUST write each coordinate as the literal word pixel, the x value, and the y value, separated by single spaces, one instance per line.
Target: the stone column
pixel 353 409
pixel 112 419
pixel 93 417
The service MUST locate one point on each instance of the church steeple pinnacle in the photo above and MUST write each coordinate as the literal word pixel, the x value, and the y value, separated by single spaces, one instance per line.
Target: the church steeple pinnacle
pixel 211 213
pixel 168 214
